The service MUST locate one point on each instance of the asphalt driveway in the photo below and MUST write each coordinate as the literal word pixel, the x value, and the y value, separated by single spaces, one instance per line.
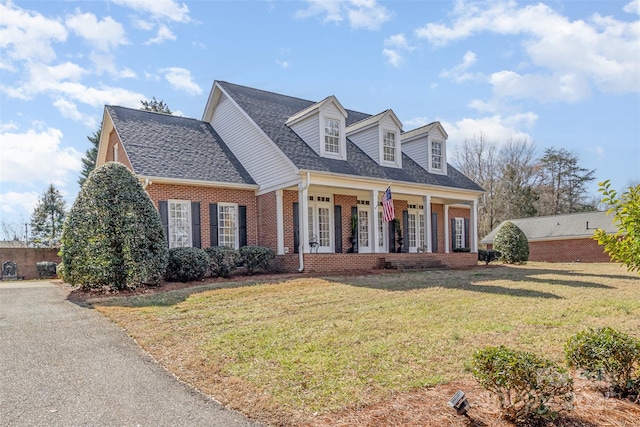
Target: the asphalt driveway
pixel 64 365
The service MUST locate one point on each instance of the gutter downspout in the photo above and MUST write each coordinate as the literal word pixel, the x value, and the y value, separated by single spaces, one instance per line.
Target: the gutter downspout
pixel 301 215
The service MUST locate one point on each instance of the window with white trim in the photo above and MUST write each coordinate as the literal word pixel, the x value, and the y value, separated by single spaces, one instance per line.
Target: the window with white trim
pixel 436 155
pixel 331 135
pixel 459 233
pixel 319 217
pixel 389 146
pixel 179 223
pixel 228 225
pixel 381 228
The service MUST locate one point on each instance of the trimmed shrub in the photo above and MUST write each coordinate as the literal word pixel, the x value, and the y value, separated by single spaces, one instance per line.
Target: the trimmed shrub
pixel 608 355
pixel 222 260
pixel 256 257
pixel 461 249
pixel 46 269
pixel 512 244
pixel 488 255
pixel 112 236
pixel 186 264
pixel 61 273
pixel 527 386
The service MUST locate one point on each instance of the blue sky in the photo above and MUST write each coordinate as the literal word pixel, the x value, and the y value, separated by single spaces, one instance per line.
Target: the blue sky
pixel 560 73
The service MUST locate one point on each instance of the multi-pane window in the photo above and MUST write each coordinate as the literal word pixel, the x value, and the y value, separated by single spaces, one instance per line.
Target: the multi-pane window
pixel 331 136
pixel 459 233
pixel 179 223
pixel 436 155
pixel 227 225
pixel 389 146
pixel 363 228
pixel 420 232
pixel 380 228
pixel 319 217
pixel 411 231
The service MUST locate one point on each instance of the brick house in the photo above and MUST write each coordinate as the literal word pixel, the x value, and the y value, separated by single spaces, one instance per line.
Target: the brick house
pixel 562 238
pixel 266 169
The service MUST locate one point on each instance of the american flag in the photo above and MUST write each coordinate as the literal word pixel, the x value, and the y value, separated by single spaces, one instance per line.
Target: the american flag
pixel 387 206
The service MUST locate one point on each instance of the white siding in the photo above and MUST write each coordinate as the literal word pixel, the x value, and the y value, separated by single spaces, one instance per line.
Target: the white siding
pixel 369 142
pixel 388 124
pixel 263 160
pixel 418 150
pixel 309 131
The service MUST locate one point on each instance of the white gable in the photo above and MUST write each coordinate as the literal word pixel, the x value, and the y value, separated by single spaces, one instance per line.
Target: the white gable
pixel 423 144
pixel 369 135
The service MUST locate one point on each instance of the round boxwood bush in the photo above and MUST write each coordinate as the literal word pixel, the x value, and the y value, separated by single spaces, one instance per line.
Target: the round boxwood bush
pixel 256 258
pixel 186 264
pixel 112 236
pixel 527 386
pixel 512 244
pixel 223 260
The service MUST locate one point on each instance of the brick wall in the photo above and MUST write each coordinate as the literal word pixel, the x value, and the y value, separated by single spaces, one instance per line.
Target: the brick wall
pixel 26 259
pixel 325 263
pixel 568 250
pixel 288 199
pixel 122 157
pixel 346 202
pixel 207 195
pixel 267 222
pixel 439 210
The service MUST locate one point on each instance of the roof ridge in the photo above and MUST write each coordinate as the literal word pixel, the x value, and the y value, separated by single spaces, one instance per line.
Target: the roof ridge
pixel 152 112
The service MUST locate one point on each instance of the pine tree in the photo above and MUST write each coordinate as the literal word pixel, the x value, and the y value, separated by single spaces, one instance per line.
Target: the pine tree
pixel 155 106
pixel 89 159
pixel 47 218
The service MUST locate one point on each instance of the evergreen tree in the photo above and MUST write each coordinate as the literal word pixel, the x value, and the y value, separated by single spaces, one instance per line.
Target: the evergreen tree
pixel 89 159
pixel 47 218
pixel 113 237
pixel 155 105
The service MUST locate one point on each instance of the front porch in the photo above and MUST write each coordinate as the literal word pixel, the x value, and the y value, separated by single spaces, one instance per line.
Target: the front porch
pixel 352 262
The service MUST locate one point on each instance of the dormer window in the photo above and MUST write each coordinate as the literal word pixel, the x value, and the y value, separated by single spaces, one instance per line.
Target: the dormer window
pixel 389 146
pixel 436 155
pixel 331 135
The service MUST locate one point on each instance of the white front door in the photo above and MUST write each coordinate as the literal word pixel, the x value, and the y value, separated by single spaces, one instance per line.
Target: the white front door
pixel 364 235
pixel 320 222
pixel 415 230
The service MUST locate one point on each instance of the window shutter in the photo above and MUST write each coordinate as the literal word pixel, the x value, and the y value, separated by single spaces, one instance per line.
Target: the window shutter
pixel 466 233
pixel 213 224
pixel 337 217
pixel 163 209
pixel 405 227
pixel 434 232
pixel 195 225
pixel 242 225
pixel 392 236
pixel 354 211
pixel 296 229
pixel 453 233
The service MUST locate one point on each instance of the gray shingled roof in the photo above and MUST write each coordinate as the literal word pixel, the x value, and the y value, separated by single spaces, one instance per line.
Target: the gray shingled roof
pixel 569 226
pixel 270 111
pixel 167 146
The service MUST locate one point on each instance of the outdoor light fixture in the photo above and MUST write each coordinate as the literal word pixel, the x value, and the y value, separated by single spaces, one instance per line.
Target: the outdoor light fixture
pixel 459 403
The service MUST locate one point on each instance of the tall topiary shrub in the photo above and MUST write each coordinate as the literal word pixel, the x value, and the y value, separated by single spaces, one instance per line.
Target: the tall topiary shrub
pixel 113 237
pixel 512 244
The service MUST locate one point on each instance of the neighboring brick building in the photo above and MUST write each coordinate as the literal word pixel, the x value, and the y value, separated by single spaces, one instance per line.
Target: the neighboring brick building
pixel 264 169
pixel 562 238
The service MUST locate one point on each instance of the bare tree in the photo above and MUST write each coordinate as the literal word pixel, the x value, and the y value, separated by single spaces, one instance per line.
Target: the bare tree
pixel 518 179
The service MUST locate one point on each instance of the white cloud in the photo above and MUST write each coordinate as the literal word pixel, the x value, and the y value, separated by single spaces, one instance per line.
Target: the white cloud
pixel 159 9
pixel 459 73
pixel 283 64
pixel 395 47
pixel 601 52
pixel 13 202
pixel 28 35
pixel 37 157
pixel 7 126
pixel 633 7
pixel 70 110
pixel 366 14
pixel 180 79
pixel 416 122
pixel 103 35
pixel 164 33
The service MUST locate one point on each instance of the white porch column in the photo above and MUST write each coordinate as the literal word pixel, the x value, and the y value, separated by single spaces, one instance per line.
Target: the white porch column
pixel 427 223
pixel 446 229
pixel 279 223
pixel 474 225
pixel 374 221
pixel 303 217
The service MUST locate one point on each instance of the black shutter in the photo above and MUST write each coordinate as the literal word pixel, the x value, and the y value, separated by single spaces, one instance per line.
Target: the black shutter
pixel 434 232
pixel 466 233
pixel 242 225
pixel 163 209
pixel 213 223
pixel 296 229
pixel 337 218
pixel 354 211
pixel 405 227
pixel 195 225
pixel 392 236
pixel 453 233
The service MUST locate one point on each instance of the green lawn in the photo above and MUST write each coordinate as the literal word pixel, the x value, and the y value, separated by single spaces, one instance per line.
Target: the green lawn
pixel 309 346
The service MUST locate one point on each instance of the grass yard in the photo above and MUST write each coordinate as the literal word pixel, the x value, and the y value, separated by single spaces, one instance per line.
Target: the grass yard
pixel 290 352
